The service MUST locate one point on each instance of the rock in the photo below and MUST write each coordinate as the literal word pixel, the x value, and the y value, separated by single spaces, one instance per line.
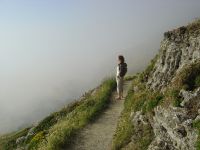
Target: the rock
pixel 30 133
pixel 189 97
pixel 178 48
pixel 138 118
pixel 135 89
pixel 197 118
pixel 188 123
pixel 20 140
pixel 180 130
pixel 173 126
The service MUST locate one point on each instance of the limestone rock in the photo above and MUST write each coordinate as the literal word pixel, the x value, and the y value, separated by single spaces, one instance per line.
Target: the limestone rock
pixel 188 96
pixel 172 126
pixel 138 118
pixel 20 140
pixel 178 48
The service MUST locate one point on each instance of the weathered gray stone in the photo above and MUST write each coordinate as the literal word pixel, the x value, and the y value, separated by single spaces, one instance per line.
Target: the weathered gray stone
pixel 173 127
pixel 138 118
pixel 177 49
pixel 20 140
pixel 189 96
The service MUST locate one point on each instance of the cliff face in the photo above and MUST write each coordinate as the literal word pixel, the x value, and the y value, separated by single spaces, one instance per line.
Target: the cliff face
pixel 179 47
pixel 177 69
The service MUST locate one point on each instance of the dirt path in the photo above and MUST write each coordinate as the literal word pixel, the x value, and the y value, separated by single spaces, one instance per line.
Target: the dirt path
pixel 98 135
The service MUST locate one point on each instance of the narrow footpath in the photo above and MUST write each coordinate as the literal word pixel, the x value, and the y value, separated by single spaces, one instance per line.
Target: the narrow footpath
pixel 98 135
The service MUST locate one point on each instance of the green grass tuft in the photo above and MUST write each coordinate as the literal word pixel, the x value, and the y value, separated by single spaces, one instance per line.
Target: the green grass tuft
pixel 175 97
pixel 188 77
pixel 153 102
pixel 196 124
pixel 129 77
pixel 36 139
pixel 197 81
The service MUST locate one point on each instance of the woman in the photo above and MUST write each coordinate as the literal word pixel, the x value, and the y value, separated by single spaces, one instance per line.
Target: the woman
pixel 121 72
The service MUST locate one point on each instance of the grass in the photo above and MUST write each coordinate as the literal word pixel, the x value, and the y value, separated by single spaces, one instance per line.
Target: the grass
pixel 197 81
pixel 188 77
pixel 152 101
pixel 145 136
pixel 58 129
pixel 143 99
pixel 129 77
pixel 194 26
pixel 196 124
pixel 176 99
pixel 8 142
pixel 61 133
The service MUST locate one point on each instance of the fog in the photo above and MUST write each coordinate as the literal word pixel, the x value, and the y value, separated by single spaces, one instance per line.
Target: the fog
pixel 52 51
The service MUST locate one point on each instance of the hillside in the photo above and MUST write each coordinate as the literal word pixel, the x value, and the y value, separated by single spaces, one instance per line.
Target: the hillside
pixel 56 130
pixel 162 109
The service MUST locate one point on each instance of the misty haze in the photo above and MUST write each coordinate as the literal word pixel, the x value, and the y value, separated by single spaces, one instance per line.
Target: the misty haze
pixel 52 52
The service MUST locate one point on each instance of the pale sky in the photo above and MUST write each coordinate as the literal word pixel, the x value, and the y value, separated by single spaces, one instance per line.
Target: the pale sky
pixel 52 51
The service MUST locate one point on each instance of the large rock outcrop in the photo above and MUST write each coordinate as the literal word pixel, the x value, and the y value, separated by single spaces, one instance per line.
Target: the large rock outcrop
pixel 172 126
pixel 178 62
pixel 179 47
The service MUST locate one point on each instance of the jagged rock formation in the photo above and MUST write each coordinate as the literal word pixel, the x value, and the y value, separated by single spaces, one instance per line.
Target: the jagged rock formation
pixel 172 126
pixel 179 47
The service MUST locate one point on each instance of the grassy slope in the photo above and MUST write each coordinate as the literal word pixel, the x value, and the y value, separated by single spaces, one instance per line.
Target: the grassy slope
pixel 57 129
pixel 8 142
pixel 145 100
